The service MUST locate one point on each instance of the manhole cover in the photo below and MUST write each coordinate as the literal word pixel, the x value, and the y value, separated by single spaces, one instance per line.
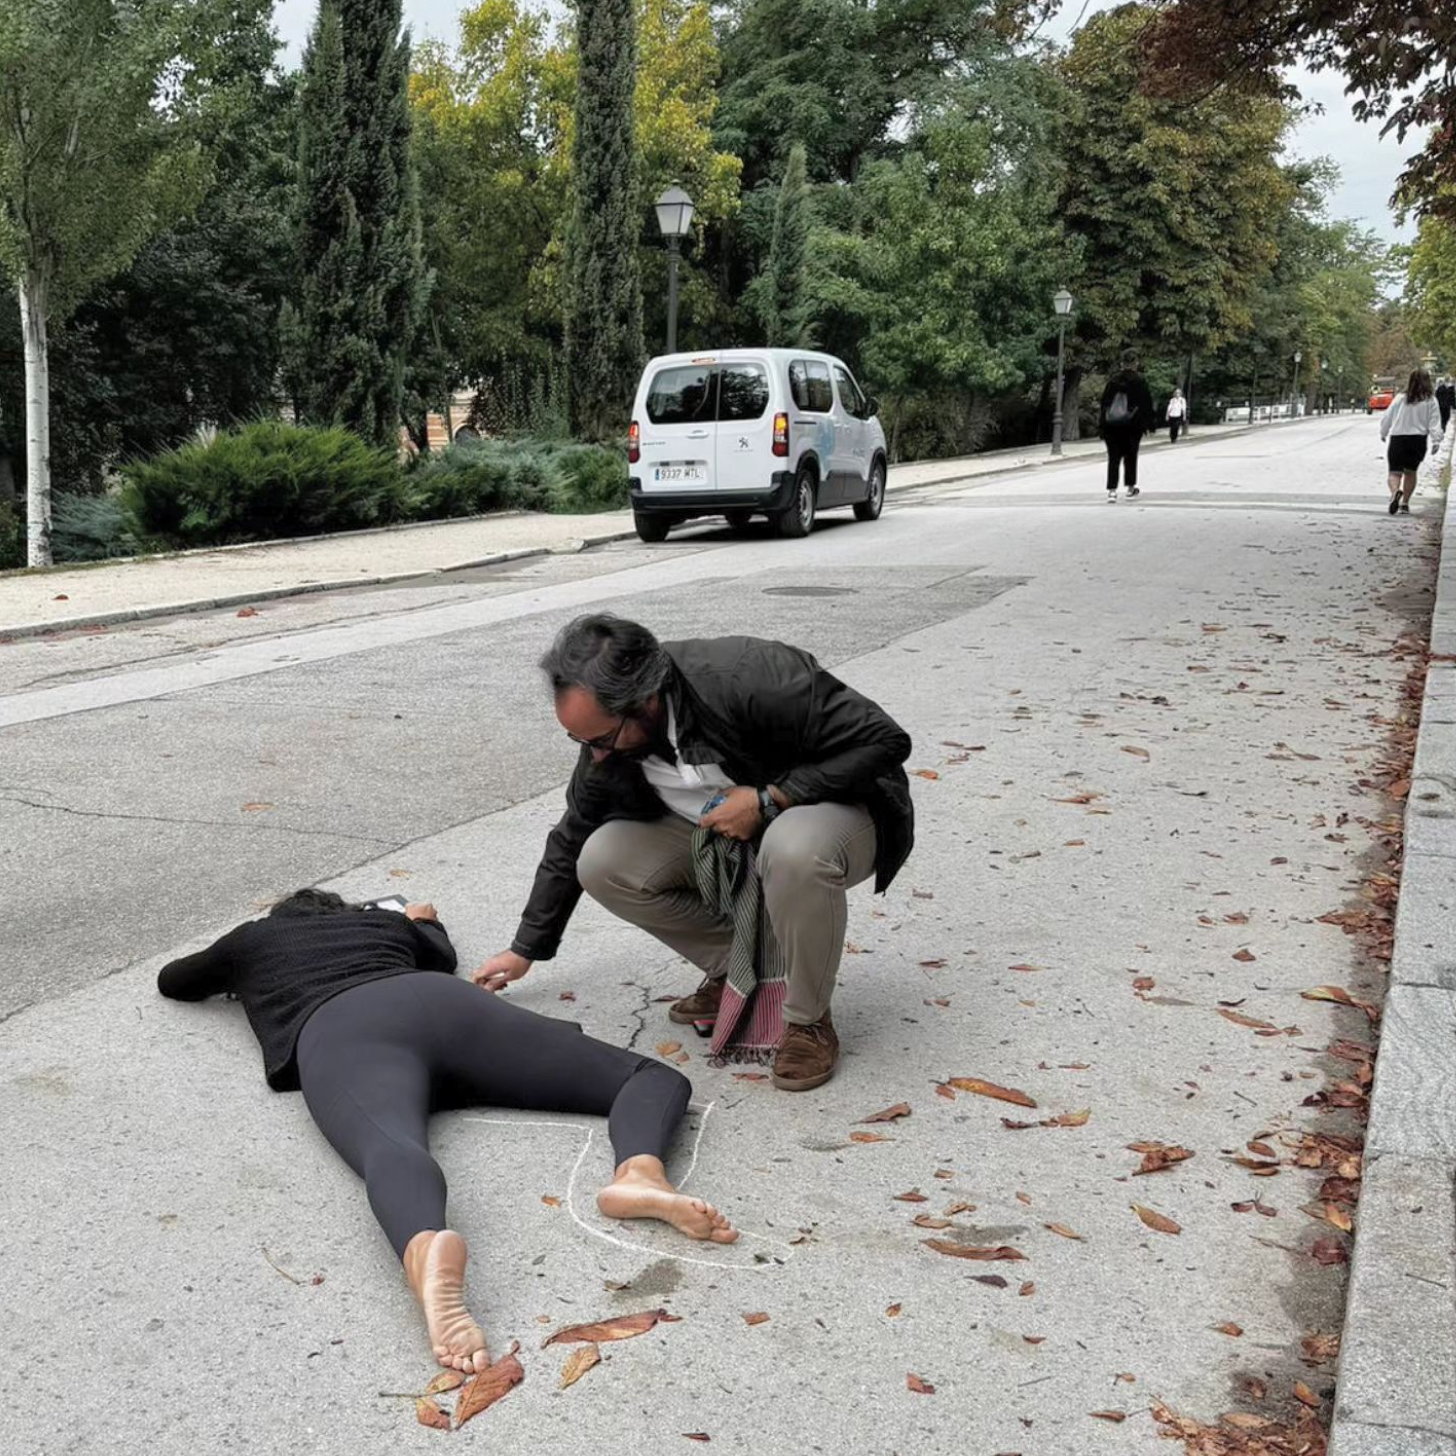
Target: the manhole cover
pixel 810 591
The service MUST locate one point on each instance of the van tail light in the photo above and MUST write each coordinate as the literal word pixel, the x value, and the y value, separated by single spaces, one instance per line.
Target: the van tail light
pixel 634 443
pixel 781 435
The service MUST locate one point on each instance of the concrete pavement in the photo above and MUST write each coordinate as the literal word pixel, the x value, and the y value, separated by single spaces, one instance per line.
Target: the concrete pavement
pixel 1140 728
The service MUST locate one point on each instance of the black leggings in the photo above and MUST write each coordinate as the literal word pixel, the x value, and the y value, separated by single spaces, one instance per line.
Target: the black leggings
pixel 376 1060
pixel 1122 450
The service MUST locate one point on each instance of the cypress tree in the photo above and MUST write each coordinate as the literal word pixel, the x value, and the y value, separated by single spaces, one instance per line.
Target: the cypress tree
pixel 784 314
pixel 362 281
pixel 604 286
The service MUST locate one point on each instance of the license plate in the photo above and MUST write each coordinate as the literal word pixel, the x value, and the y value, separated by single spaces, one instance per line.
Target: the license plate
pixel 679 475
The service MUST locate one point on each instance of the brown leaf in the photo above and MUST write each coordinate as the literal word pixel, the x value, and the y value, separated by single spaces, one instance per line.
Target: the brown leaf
pixel 253 612
pixel 1144 983
pixel 943 1089
pixel 1034 1339
pixel 579 1362
pixel 1237 918
pixel 990 1089
pixel 620 1327
pixel 696 1436
pixel 1158 1158
pixel 1321 1348
pixel 893 1311
pixel 1255 1166
pixel 256 808
pixel 1062 1230
pixel 913 1196
pixel 956 1208
pixel 1070 1119
pixel 995 1281
pixel 1245 955
pixel 1141 753
pixel 1229 1328
pixel 900 1109
pixel 1334 1215
pixel 1328 1250
pixel 1399 789
pixel 917 1386
pixel 445 1380
pixel 925 1221
pixel 668 1048
pixel 427 1413
pixel 1241 1020
pixel 964 1251
pixel 1305 1396
pixel 1262 1149
pixel 1155 1220
pixel 755 1319
pixel 1116 1417
pixel 869 1137
pixel 1028 1288
pixel 550 1200
pixel 1083 798
pixel 925 773
pixel 489 1386
pixel 1023 966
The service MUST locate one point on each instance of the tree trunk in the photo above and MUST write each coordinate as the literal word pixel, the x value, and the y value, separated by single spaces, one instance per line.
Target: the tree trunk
pixel 37 419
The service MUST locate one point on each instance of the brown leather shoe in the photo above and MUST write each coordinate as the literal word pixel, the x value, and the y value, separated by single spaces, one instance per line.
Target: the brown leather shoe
pixel 702 1005
pixel 806 1056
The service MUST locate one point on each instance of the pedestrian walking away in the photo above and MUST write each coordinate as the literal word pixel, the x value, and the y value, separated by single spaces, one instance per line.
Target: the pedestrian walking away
pixel 1177 413
pixel 359 1008
pixel 750 741
pixel 1412 425
pixel 1126 415
pixel 1446 401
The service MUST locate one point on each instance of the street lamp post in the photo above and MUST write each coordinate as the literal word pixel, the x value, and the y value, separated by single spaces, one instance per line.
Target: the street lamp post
pixel 674 217
pixel 1294 383
pixel 1062 302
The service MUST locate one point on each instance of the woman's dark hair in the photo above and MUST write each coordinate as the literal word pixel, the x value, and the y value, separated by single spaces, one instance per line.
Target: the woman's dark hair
pixel 311 902
pixel 1420 386
pixel 620 663
pixel 1130 359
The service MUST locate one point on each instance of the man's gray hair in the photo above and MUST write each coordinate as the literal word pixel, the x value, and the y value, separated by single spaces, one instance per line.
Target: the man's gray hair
pixel 620 663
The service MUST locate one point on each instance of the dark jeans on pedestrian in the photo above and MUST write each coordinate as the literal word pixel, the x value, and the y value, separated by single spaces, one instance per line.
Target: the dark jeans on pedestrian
pixel 1175 428
pixel 1122 455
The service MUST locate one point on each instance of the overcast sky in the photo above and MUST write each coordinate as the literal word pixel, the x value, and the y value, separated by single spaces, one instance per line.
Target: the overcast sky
pixel 1368 165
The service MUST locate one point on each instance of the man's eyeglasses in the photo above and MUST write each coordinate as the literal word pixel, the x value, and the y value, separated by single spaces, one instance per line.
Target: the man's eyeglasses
pixel 605 744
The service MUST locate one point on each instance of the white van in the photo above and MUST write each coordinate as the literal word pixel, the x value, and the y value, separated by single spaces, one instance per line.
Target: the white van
pixel 782 433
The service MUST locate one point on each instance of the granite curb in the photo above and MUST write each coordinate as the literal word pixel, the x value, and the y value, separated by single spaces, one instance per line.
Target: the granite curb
pixel 1397 1386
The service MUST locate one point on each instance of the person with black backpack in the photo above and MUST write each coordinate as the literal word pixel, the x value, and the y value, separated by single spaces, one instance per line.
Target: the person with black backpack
pixel 1126 416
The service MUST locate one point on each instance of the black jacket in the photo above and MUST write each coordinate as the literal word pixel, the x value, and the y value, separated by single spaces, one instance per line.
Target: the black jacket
pixel 284 967
pixel 1139 398
pixel 770 715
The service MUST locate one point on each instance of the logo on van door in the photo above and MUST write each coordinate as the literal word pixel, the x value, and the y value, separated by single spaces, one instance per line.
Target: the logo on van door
pixel 744 443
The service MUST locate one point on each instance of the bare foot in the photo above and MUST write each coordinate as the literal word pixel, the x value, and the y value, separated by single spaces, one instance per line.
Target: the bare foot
pixel 434 1264
pixel 641 1190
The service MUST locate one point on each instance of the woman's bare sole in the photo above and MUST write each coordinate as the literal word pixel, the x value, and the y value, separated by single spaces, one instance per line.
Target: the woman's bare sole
pixel 434 1264
pixel 638 1194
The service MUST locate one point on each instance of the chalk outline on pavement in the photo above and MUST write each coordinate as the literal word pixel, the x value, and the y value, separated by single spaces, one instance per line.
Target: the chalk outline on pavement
pixel 582 1224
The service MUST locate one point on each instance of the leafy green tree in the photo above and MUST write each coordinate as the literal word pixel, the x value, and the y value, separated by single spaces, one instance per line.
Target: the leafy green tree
pixel 97 152
pixel 779 291
pixel 363 285
pixel 604 283
pixel 1431 287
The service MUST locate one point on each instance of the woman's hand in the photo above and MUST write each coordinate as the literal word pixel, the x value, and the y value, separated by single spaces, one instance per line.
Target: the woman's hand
pixel 421 912
pixel 500 970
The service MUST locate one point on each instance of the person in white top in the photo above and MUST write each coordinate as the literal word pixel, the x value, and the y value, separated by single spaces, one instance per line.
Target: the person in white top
pixel 1177 412
pixel 1412 424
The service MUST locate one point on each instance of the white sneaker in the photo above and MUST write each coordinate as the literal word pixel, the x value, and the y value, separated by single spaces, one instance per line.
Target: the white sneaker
pixel 1112 497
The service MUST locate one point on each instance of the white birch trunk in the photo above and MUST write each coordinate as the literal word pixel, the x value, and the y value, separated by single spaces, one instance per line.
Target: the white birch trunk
pixel 37 420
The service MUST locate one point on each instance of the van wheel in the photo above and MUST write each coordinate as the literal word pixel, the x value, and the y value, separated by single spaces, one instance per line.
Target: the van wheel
pixel 798 520
pixel 651 528
pixel 870 507
pixel 738 521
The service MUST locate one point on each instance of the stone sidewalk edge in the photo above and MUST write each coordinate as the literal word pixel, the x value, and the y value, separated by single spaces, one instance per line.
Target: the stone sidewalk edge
pixel 1396 1394
pixel 101 620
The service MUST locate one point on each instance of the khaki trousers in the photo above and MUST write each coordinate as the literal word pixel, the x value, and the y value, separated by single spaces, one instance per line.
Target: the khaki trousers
pixel 808 859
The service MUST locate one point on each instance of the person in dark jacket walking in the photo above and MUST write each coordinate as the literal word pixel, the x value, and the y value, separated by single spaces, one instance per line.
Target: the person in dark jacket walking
pixel 1446 401
pixel 1125 417
pixel 749 739
pixel 359 1008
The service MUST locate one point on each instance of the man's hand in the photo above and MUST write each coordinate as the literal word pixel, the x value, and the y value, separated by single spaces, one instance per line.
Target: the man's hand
pixel 737 817
pixel 500 970
pixel 421 912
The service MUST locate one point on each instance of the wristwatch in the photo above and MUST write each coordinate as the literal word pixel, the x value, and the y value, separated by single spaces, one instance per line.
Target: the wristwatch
pixel 767 807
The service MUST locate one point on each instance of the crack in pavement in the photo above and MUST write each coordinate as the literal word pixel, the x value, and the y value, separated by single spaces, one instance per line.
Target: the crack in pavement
pixel 203 823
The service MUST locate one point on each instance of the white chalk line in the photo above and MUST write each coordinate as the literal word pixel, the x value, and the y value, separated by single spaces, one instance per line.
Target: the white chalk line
pixel 752 1268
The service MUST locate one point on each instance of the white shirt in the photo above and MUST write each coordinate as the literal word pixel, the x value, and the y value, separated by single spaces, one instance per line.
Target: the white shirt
pixel 1176 406
pixel 1404 418
pixel 684 787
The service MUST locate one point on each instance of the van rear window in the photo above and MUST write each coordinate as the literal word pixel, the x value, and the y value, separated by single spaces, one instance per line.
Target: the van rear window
pixel 682 395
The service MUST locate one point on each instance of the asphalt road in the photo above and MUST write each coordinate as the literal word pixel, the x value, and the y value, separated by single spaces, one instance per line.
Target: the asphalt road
pixel 1136 722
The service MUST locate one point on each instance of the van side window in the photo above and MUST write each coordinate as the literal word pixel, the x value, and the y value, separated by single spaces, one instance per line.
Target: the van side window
pixel 742 391
pixel 809 384
pixel 849 393
pixel 683 395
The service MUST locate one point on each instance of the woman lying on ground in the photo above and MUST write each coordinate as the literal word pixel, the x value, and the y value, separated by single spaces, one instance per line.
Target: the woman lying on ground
pixel 360 1009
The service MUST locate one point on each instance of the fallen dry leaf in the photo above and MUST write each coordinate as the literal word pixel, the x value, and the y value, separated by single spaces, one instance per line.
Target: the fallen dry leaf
pixel 256 808
pixel 1158 1157
pixel 995 1281
pixel 1318 1349
pixel 253 612
pixel 1070 1119
pixel 935 965
pixel 427 1413
pixel 1034 1339
pixel 942 1089
pixel 445 1380
pixel 893 1311
pixel 668 1048
pixel 1116 1417
pixel 696 1436
pixel 550 1200
pixel 1328 1250
pixel 990 1089
pixel 1023 966
pixel 956 1208
pixel 1062 1230
pixel 1305 1396
pixel 1155 1220
pixel 869 1137
pixel 1334 1215
pixel 1028 1288
pixel 577 1364
pixel 1245 955
pixel 620 1327
pixel 489 1386
pixel 1240 1019
pixel 1229 1328
pixel 755 1319
pixel 925 773
pixel 900 1109
pixel 917 1386
pixel 913 1196
pixel 1141 753
pixel 925 1221
pixel 965 1251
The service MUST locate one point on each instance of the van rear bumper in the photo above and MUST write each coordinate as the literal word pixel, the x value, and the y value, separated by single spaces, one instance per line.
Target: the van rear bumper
pixel 686 503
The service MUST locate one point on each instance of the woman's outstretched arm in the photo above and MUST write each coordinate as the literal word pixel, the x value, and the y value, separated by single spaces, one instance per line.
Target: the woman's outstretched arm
pixel 195 977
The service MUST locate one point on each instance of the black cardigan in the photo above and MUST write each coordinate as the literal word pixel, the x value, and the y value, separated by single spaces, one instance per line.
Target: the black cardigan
pixel 283 968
